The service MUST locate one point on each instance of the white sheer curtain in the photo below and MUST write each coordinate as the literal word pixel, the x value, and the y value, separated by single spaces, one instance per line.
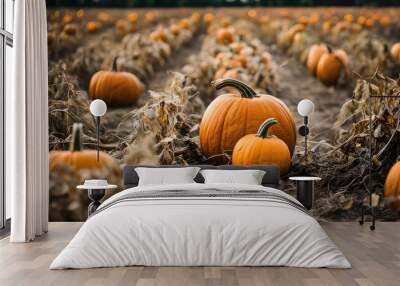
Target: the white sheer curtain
pixel 27 124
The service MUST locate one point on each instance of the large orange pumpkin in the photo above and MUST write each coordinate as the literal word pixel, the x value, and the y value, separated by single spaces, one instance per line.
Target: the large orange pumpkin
pixel 79 160
pixel 395 51
pixel 314 55
pixel 330 66
pixel 115 88
pixel 262 149
pixel 231 116
pixel 392 187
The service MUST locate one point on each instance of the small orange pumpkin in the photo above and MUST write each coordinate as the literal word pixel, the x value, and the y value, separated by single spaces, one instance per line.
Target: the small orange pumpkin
pixel 225 35
pixel 158 35
pixel 79 160
pixel 92 26
pixel 104 17
pixel 184 24
pixel 122 26
pixel 231 116
pixel 330 67
pixel 115 88
pixel 294 30
pixel 175 29
pixel 392 187
pixel 70 29
pixel 149 16
pixel 262 149
pixel 67 19
pixel 132 18
pixel 208 18
pixel 314 55
pixel 194 18
pixel 395 51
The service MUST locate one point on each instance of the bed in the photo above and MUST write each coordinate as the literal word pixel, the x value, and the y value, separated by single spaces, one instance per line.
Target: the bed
pixel 201 224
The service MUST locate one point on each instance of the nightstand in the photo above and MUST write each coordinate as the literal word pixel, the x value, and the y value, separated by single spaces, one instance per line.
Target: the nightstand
pixel 95 194
pixel 305 190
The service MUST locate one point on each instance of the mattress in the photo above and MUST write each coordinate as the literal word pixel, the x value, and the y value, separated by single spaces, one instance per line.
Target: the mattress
pixel 201 225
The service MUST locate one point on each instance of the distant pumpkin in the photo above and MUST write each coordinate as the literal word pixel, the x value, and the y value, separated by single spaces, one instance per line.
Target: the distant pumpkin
pixel 208 18
pixel 115 88
pixel 395 51
pixel 314 55
pixel 330 66
pixel 184 24
pixel 231 116
pixel 175 29
pixel 92 26
pixel 132 18
pixel 225 35
pixel 70 29
pixel 159 35
pixel 294 30
pixel 262 149
pixel 392 188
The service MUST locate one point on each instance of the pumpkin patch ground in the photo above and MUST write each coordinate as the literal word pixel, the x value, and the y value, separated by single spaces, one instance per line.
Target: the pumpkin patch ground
pixel 158 74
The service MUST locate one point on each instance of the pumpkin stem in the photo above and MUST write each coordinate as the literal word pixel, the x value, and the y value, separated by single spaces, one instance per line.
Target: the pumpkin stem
pixel 329 49
pixel 263 130
pixel 76 141
pixel 114 64
pixel 244 89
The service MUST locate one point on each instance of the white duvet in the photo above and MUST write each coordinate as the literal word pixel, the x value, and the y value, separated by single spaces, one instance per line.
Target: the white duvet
pixel 200 231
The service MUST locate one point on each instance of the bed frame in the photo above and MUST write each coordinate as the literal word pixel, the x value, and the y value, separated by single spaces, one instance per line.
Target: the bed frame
pixel 271 177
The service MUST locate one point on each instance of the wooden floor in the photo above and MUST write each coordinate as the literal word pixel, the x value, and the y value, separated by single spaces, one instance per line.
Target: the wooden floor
pixel 375 257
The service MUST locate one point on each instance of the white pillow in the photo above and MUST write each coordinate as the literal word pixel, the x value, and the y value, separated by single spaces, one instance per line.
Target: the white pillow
pixel 166 176
pixel 248 177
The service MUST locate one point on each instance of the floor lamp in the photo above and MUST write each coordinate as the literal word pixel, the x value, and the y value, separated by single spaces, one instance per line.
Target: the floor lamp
pixel 98 108
pixel 305 108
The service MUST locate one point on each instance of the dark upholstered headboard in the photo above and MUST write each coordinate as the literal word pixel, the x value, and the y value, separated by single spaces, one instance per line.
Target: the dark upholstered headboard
pixel 271 177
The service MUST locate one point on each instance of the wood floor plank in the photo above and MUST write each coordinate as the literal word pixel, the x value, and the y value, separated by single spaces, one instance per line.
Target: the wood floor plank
pixel 375 257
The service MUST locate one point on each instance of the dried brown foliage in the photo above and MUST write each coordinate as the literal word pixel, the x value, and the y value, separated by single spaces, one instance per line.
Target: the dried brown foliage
pixel 167 126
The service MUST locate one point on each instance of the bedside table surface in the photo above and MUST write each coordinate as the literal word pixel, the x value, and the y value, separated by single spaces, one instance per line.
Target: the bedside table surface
pixel 305 178
pixel 86 187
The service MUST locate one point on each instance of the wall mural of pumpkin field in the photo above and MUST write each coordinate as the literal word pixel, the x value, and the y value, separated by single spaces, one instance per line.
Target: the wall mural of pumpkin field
pixel 221 86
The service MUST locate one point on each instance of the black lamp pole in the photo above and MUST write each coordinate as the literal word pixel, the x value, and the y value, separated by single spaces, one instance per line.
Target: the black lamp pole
pixel 303 131
pixel 98 136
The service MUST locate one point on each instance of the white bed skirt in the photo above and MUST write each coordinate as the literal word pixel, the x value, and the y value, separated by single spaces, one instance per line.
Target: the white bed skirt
pixel 201 232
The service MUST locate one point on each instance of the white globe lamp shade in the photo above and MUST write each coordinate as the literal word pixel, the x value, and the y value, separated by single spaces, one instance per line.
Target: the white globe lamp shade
pixel 305 107
pixel 98 107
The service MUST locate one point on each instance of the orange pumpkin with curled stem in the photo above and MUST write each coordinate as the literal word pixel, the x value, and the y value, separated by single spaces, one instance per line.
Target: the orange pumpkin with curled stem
pixel 392 188
pixel 262 149
pixel 115 88
pixel 231 116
